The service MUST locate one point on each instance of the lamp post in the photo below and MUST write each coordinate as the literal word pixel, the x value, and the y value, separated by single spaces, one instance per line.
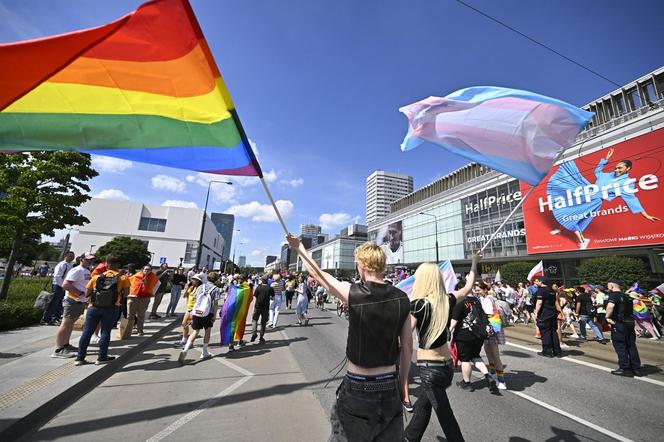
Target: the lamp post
pixel 435 220
pixel 200 240
pixel 235 248
pixel 91 247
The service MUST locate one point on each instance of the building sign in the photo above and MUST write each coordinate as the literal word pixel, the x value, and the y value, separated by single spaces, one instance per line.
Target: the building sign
pixel 485 204
pixel 389 238
pixel 479 240
pixel 609 198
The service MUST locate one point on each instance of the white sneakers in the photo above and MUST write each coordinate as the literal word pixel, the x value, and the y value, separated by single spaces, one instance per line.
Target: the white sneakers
pixel 94 339
pixel 502 386
pixel 584 244
pixel 555 232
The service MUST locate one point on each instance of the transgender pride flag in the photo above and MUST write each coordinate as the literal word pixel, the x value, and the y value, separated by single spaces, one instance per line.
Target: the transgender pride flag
pixel 516 132
pixel 447 271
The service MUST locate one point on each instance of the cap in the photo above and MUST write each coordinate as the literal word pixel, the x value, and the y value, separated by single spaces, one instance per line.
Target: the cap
pixel 88 256
pixel 198 276
pixel 615 281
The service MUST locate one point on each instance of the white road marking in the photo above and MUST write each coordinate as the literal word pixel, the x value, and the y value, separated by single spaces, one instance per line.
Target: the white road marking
pixel 573 417
pixel 589 364
pixel 207 404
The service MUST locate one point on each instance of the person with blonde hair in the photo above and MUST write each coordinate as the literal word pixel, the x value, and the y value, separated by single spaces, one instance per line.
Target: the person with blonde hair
pixel 430 314
pixel 368 405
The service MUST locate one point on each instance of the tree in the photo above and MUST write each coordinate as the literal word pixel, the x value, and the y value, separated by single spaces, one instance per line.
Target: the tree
pixel 127 250
pixel 599 270
pixel 515 272
pixel 41 192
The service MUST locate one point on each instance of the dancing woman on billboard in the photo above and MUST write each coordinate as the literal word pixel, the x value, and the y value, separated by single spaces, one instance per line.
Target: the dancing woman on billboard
pixel 577 216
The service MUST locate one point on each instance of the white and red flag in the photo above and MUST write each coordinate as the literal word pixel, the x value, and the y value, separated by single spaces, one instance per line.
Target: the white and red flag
pixel 536 271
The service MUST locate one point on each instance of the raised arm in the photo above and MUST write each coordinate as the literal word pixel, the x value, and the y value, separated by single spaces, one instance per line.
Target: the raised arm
pixel 338 289
pixel 470 280
pixel 406 338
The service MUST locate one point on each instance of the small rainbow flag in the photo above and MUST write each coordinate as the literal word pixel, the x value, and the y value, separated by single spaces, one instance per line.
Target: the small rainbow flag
pixel 406 285
pixel 234 313
pixel 641 310
pixel 495 320
pixel 142 88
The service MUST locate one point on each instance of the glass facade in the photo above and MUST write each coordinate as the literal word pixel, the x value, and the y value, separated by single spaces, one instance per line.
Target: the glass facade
pixel 152 224
pixel 484 212
pixel 419 234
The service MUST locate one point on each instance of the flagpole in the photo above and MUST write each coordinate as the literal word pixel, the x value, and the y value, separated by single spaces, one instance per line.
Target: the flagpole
pixel 276 210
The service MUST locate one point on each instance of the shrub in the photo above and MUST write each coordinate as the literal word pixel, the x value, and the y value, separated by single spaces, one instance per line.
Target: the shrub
pixel 17 311
pixel 515 272
pixel 599 270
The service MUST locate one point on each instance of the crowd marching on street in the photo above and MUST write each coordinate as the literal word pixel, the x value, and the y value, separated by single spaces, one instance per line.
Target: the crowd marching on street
pixel 451 328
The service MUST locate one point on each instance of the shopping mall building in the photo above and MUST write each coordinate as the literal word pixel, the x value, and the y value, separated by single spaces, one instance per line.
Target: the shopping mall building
pixel 616 214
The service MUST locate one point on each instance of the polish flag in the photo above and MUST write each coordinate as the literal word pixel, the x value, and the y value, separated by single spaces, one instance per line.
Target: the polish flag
pixel 536 271
pixel 659 288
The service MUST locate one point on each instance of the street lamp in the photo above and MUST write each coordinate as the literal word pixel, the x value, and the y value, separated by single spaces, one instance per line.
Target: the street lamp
pixel 91 246
pixel 200 241
pixel 235 248
pixel 435 220
pixel 223 252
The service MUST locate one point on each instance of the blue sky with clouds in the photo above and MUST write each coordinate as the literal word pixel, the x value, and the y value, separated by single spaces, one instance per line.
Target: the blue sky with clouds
pixel 318 84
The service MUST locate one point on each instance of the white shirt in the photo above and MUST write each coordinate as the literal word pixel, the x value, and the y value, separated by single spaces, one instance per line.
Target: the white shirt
pixel 393 257
pixel 60 272
pixel 79 277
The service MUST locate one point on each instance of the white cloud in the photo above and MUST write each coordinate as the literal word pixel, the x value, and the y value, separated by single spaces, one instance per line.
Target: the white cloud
pixel 110 164
pixel 180 203
pixel 169 183
pixel 332 220
pixel 112 194
pixel 244 181
pixel 262 212
pixel 257 252
pixel 254 147
pixel 293 183
pixel 222 193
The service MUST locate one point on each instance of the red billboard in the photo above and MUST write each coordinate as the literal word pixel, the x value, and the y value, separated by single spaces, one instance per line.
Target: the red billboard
pixel 613 197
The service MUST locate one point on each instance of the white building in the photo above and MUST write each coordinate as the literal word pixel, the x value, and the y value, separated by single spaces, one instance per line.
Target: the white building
pixel 310 229
pixel 171 233
pixel 382 189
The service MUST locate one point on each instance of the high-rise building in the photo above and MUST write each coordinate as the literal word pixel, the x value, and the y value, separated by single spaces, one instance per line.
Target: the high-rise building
pixel 224 223
pixel 382 189
pixel 310 230
pixel 242 261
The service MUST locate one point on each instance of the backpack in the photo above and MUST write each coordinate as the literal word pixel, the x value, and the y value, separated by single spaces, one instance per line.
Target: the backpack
pixel 476 321
pixel 106 290
pixel 626 305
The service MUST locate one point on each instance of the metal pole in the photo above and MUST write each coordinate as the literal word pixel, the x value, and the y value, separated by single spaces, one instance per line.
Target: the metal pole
pixel 436 223
pixel 200 238
pixel 507 219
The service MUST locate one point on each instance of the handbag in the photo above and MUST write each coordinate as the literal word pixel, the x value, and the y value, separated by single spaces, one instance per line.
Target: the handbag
pixel 454 352
pixel 44 298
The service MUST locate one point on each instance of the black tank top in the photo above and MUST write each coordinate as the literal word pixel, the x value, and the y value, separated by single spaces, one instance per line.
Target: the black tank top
pixel 377 313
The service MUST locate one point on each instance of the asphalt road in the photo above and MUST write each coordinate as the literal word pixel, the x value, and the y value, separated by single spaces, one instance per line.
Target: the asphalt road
pixel 283 391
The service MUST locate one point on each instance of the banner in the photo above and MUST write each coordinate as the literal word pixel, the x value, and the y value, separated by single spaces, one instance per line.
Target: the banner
pixel 608 198
pixel 389 238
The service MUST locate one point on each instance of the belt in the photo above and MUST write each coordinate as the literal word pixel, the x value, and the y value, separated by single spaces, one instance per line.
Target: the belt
pixel 445 363
pixel 371 385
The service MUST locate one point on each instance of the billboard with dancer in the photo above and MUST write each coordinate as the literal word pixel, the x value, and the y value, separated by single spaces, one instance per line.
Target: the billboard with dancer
pixel 608 198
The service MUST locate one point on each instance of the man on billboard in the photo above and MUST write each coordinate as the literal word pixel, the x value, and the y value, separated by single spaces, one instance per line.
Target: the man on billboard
pixel 575 202
pixel 392 245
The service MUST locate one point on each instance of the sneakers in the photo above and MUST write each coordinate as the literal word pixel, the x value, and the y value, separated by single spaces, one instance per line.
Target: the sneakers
pixel 602 341
pixel 621 372
pixel 408 406
pixel 491 382
pixel 105 360
pixel 466 386
pixel 546 355
pixel 253 337
pixel 555 232
pixel 502 386
pixel 71 348
pixel 584 244
pixel 64 353
pixel 564 346
pixel 205 356
pixel 94 339
pixel 79 362
pixel 261 340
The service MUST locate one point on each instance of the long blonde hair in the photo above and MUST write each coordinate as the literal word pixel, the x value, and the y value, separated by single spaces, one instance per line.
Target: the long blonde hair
pixel 429 285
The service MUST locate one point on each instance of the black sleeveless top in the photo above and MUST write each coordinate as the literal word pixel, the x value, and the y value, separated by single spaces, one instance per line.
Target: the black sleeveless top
pixel 377 313
pixel 421 310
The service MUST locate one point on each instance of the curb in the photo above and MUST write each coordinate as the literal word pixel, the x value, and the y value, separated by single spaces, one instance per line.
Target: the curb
pixel 48 410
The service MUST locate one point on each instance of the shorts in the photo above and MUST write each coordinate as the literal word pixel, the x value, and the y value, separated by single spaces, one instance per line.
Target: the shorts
pixel 72 310
pixel 469 350
pixel 529 308
pixel 198 322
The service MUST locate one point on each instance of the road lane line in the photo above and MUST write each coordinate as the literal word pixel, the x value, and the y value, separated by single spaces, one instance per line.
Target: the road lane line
pixel 584 422
pixel 589 364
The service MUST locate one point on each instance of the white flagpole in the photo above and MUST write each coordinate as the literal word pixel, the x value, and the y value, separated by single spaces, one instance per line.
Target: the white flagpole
pixel 276 210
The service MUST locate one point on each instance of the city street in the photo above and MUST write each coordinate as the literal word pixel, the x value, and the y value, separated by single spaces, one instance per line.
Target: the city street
pixel 283 391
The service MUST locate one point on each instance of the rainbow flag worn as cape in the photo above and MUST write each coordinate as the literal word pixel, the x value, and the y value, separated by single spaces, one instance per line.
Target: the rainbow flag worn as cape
pixel 234 313
pixel 142 88
pixel 641 310
pixel 446 269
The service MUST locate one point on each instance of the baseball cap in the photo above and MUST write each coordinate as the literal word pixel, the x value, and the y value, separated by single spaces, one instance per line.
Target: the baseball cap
pixel 615 281
pixel 198 276
pixel 89 257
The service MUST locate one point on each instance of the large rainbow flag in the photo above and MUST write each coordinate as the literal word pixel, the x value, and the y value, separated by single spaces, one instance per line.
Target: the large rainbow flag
pixel 234 313
pixel 640 310
pixel 446 269
pixel 142 88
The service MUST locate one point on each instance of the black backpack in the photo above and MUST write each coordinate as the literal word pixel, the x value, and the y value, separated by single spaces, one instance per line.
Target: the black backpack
pixel 106 290
pixel 626 309
pixel 476 321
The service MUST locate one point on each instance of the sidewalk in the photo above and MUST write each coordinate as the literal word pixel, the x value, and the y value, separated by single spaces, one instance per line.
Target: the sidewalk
pixel 35 386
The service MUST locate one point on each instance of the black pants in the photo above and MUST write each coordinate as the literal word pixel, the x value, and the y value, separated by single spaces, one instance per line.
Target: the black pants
pixel 435 380
pixel 359 415
pixel 261 314
pixel 624 343
pixel 548 330
pixel 289 299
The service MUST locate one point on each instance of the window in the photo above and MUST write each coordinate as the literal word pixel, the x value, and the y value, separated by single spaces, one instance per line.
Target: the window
pixel 634 99
pixel 152 224
pixel 649 92
pixel 190 252
pixel 620 104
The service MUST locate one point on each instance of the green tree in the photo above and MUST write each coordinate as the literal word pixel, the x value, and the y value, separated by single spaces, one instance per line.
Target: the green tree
pixel 127 250
pixel 599 270
pixel 41 192
pixel 515 272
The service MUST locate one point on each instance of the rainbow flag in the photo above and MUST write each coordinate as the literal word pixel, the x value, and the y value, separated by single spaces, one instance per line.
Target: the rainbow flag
pixel 516 132
pixel 234 313
pixel 640 310
pixel 406 285
pixel 142 88
pixel 495 319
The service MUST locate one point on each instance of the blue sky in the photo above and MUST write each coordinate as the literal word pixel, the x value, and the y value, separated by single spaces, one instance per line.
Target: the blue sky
pixel 318 85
